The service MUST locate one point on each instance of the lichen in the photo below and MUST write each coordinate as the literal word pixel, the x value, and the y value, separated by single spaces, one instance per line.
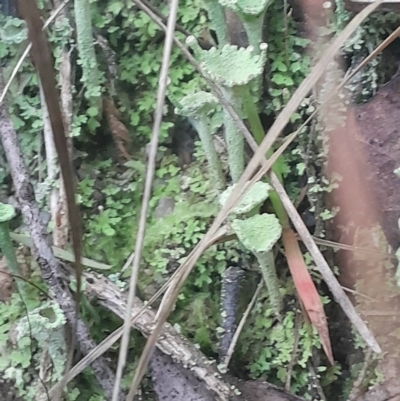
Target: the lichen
pixel 87 55
pixel 7 212
pixel 242 64
pixel 217 17
pixel 251 14
pixel 14 31
pixel 258 233
pixel 197 107
pixel 46 325
pixel 195 103
pixel 256 195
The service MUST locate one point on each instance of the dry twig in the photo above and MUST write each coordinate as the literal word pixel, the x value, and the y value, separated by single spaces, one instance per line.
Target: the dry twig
pixel 151 166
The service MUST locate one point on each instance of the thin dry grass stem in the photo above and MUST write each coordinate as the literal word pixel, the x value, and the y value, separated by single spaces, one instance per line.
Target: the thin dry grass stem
pixel 24 55
pixel 327 274
pixel 327 243
pixel 395 34
pixel 297 324
pixel 227 358
pixel 359 293
pixel 128 262
pixel 357 385
pixel 44 65
pixel 118 129
pixel 151 167
pixel 346 247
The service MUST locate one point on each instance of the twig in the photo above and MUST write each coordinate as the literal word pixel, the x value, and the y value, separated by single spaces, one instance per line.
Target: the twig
pixel 297 324
pixel 358 293
pixel 315 382
pixel 171 342
pixel 323 267
pixel 128 262
pixel 60 212
pixel 355 391
pixel 62 253
pixel 151 166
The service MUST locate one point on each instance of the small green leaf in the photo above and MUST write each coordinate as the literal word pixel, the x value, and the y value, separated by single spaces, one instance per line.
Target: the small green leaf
pixel 296 66
pixel 115 7
pixel 281 79
pixel 107 230
pixel 92 111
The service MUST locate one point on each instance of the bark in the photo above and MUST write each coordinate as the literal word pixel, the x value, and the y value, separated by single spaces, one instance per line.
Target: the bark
pixel 172 382
pixel 182 364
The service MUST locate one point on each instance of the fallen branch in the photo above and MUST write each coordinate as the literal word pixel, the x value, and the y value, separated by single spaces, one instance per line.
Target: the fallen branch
pixel 172 382
pixel 170 342
pixel 175 345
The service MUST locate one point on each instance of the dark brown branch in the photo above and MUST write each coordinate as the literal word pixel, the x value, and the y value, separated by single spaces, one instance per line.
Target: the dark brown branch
pixel 49 265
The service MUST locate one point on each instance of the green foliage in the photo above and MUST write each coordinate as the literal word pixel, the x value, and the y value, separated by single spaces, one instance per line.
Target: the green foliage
pixel 110 220
pixel 110 194
pixel 364 40
pixel 137 42
pixel 287 60
pixel 23 99
pixel 24 338
pixel 271 346
pixel 174 235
